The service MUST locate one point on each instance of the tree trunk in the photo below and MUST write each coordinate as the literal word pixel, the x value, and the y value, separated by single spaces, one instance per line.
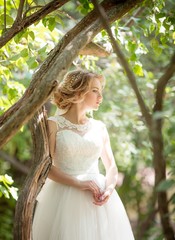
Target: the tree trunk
pixel 38 174
pixel 160 175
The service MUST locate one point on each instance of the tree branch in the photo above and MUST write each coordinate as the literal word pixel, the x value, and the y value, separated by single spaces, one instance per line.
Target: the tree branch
pixel 20 10
pixel 124 63
pixel 20 24
pixel 161 84
pixel 5 16
pixel 131 21
pixel 13 161
pixel 31 8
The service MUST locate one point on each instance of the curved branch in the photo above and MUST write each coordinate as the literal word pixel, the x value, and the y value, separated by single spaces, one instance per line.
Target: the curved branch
pixel 20 23
pixel 124 63
pixel 161 84
pixel 13 161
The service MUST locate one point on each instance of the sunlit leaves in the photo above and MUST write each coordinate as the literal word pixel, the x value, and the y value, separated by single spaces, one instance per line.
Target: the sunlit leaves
pixel 10 91
pixel 85 6
pixel 6 188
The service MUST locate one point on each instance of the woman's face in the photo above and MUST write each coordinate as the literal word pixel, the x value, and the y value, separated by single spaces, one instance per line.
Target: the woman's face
pixel 93 98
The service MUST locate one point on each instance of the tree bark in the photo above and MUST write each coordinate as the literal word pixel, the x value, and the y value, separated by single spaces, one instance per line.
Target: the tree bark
pixel 39 171
pixel 158 146
pixel 56 65
pixel 160 175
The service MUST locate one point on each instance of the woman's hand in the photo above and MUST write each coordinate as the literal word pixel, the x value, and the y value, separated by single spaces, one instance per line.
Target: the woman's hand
pixel 91 186
pixel 103 197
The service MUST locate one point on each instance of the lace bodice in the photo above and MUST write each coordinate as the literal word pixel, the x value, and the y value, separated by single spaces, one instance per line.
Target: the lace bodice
pixel 78 146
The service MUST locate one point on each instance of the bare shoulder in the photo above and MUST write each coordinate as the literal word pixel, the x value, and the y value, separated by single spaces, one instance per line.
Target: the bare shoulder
pixel 52 125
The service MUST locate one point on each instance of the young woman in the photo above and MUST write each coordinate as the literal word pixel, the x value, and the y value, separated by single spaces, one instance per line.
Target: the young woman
pixel 77 202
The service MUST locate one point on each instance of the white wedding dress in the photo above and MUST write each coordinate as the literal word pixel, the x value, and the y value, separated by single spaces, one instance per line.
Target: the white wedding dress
pixel 66 213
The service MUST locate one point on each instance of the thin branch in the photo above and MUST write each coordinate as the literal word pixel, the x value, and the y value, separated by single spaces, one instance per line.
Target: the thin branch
pixel 20 10
pixel 5 16
pixel 14 4
pixel 124 63
pixel 31 8
pixel 161 84
pixel 131 21
pixel 14 162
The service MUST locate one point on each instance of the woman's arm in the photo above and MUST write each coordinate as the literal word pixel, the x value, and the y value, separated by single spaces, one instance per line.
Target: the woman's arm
pixel 110 167
pixel 57 175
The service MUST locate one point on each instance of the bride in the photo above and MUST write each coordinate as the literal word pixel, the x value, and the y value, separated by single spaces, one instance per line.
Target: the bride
pixel 76 201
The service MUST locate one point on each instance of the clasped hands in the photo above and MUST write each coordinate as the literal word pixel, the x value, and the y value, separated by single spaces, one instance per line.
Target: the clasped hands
pixel 100 197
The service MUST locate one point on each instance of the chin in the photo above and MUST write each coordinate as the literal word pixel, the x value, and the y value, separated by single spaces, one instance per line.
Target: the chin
pixel 95 108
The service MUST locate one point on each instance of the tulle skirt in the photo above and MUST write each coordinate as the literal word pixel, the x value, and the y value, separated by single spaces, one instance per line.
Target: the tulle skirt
pixel 67 213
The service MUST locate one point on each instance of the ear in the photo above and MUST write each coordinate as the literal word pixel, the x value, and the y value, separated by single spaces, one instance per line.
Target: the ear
pixel 79 97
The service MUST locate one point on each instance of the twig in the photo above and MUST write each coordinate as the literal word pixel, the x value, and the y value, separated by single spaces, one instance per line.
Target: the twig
pixel 124 63
pixel 13 161
pixel 161 84
pixel 131 21
pixel 31 8
pixel 20 10
pixel 14 4
pixel 5 16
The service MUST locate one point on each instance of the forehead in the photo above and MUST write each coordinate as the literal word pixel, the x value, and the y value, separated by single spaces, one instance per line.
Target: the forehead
pixel 96 83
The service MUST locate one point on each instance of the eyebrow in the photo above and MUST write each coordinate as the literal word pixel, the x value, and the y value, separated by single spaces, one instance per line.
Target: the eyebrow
pixel 96 88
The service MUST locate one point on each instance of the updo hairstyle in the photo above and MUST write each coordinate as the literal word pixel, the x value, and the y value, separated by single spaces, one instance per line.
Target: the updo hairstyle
pixel 75 83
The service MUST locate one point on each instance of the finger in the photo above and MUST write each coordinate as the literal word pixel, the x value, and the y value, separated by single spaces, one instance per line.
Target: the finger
pixel 94 188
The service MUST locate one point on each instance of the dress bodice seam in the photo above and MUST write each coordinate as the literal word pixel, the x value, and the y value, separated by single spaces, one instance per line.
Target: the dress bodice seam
pixel 62 122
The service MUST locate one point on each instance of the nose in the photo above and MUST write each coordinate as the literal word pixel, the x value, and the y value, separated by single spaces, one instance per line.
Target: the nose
pixel 100 97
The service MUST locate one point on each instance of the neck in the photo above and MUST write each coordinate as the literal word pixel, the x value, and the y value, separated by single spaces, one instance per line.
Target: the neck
pixel 76 114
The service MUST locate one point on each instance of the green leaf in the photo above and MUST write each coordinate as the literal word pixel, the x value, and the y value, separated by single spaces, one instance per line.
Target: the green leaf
pixel 156 46
pixel 138 70
pixel 151 27
pixel 24 52
pixel 8 179
pixel 9 20
pixel 154 43
pixel 132 46
pixel 32 35
pixel 52 24
pixel 165 185
pixel 15 57
pixel 13 192
pixel 32 63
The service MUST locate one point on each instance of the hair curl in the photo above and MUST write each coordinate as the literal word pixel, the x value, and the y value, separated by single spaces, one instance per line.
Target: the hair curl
pixel 75 83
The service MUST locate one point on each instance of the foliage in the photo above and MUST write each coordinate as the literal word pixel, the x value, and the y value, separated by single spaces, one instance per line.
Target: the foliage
pixel 148 42
pixel 8 196
pixel 5 187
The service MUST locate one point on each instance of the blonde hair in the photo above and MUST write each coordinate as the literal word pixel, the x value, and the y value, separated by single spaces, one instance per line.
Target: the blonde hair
pixel 75 83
